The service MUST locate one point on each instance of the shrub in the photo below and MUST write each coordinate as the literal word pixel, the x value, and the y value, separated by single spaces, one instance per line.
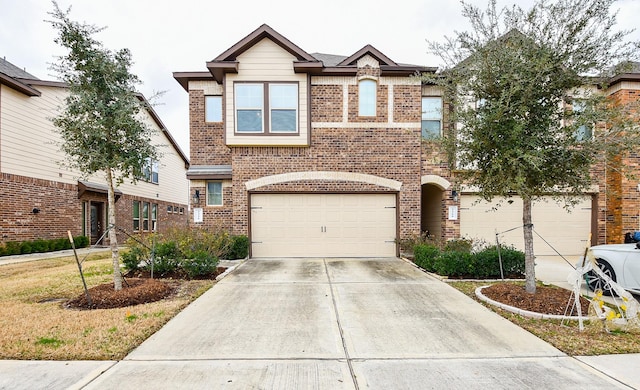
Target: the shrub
pixel 512 261
pixel 238 248
pixel 167 257
pixel 454 263
pixel 80 242
pixel 458 245
pixel 12 248
pixel 424 256
pixel 26 248
pixel 40 246
pixel 133 258
pixel 201 264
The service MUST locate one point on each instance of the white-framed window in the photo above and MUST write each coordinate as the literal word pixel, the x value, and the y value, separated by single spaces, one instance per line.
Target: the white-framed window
pixel 213 108
pixel 583 132
pixel 249 108
pixel 214 193
pixel 367 91
pixel 431 117
pixel 283 108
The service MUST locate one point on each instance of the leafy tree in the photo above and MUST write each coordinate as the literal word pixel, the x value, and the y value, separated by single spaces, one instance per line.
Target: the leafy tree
pixel 100 124
pixel 523 89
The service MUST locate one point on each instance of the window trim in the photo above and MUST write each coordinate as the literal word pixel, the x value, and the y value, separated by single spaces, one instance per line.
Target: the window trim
pixel 221 194
pixel 265 109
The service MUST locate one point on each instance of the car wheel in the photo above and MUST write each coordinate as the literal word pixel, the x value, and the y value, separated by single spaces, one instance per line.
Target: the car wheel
pixel 595 282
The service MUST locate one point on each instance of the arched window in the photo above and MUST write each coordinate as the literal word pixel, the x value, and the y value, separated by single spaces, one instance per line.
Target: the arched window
pixel 367 97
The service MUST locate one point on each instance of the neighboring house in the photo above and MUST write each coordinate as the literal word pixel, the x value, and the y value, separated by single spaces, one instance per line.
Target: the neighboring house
pixel 40 199
pixel 623 196
pixel 317 155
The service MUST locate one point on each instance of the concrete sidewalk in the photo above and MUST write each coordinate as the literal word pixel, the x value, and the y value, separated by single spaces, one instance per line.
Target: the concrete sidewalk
pixel 333 324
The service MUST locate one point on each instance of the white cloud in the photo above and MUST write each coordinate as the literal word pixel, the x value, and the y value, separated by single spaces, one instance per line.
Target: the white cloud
pixel 166 36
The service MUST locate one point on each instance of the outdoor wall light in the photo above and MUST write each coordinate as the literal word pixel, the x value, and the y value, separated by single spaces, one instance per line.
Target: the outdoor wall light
pixel 454 195
pixel 196 197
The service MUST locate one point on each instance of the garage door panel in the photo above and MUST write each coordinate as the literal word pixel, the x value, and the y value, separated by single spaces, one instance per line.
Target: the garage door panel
pixel 567 232
pixel 323 225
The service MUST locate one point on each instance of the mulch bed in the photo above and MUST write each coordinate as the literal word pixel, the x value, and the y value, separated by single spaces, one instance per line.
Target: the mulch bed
pixel 137 288
pixel 546 300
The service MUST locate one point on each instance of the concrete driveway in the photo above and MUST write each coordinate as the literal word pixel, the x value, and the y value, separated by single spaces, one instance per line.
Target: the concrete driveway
pixel 342 324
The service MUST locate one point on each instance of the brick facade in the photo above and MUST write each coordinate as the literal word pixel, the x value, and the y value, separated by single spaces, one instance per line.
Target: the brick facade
pixel 388 145
pixel 60 210
pixel 623 192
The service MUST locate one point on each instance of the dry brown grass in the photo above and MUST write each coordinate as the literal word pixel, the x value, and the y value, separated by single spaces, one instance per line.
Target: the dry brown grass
pixel 565 335
pixel 35 325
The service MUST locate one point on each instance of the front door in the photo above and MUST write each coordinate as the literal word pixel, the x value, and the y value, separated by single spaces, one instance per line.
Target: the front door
pixel 97 217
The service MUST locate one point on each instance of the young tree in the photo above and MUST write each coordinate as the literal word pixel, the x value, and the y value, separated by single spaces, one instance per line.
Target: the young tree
pixel 523 89
pixel 100 124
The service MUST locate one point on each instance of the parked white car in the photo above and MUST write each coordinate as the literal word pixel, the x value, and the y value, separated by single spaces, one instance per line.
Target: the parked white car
pixel 621 262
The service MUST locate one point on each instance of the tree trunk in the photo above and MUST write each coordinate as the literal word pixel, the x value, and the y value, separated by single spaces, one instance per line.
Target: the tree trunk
pixel 529 259
pixel 113 238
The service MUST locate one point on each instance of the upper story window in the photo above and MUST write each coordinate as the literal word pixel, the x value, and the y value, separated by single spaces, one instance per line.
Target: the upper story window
pixel 249 108
pixel 431 117
pixel 583 132
pixel 214 193
pixel 151 171
pixel 213 108
pixel 266 108
pixel 367 90
pixel 283 101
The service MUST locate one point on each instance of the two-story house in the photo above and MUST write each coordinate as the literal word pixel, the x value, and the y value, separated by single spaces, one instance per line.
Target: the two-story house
pixel 325 155
pixel 41 199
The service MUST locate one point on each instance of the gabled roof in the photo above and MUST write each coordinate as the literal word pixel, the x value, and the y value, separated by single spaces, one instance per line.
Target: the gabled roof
pixel 226 62
pixel 11 75
pixel 367 50
pixel 316 64
pixel 11 70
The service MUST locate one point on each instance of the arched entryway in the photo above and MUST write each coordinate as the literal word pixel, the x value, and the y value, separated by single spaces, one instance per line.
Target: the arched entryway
pixel 432 205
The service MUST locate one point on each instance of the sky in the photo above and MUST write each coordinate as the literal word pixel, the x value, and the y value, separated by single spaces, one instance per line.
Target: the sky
pixel 175 36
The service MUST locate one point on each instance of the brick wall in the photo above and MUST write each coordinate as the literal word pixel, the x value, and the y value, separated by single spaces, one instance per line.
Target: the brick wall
pixel 207 145
pixel 58 205
pixel 326 103
pixel 60 210
pixel 622 193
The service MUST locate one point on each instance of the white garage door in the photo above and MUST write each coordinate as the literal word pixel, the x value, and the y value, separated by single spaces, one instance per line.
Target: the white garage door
pixel 323 225
pixel 567 232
